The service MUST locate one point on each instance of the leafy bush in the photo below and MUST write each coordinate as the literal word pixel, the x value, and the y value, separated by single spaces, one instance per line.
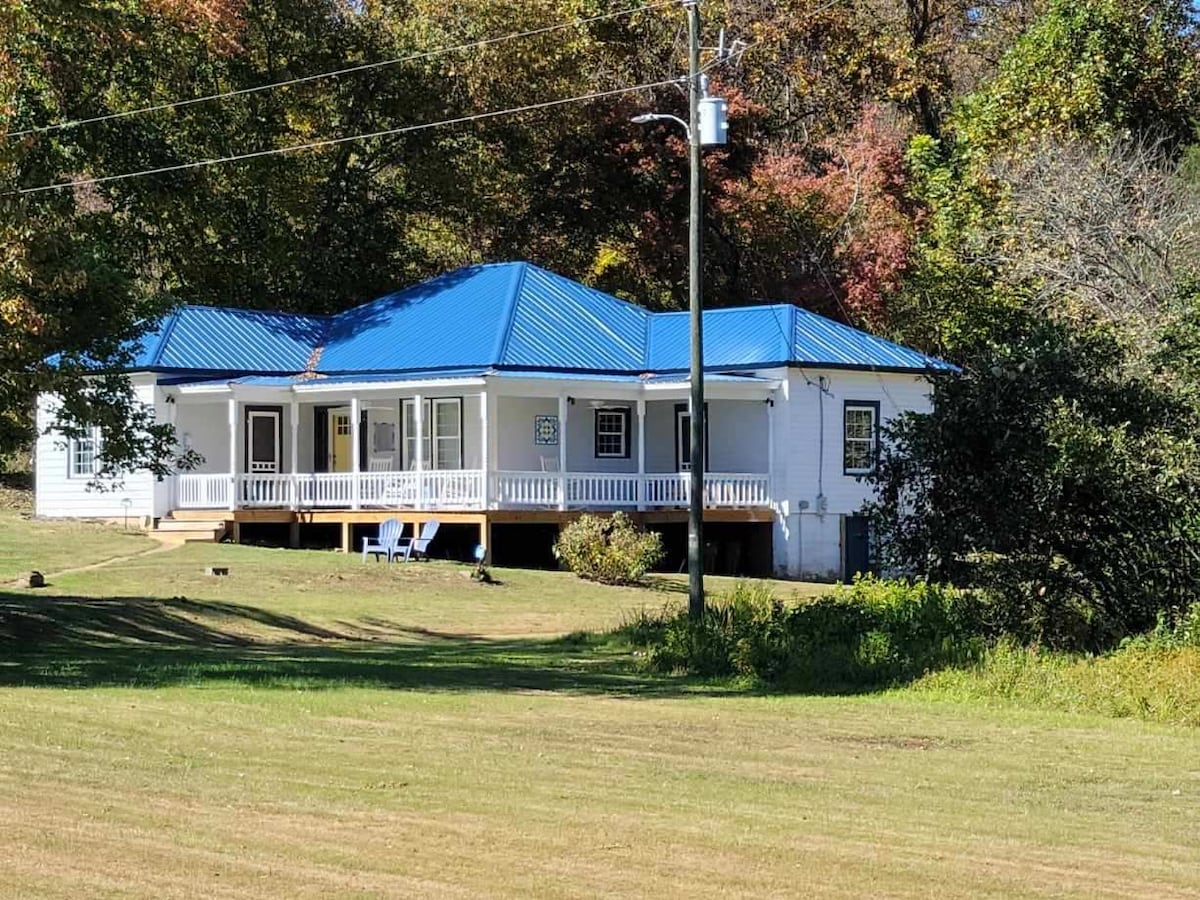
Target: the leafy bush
pixel 872 633
pixel 1171 631
pixel 1058 477
pixel 609 550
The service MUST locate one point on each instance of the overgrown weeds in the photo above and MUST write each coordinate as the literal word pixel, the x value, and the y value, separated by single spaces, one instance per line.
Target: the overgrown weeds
pixel 1141 680
pixel 868 635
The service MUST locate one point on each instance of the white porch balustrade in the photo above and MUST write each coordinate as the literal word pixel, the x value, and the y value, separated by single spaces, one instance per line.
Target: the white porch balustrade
pixel 202 491
pixel 464 489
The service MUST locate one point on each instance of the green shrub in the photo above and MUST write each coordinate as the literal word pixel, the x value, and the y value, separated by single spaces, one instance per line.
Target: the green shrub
pixel 872 633
pixel 1171 631
pixel 611 550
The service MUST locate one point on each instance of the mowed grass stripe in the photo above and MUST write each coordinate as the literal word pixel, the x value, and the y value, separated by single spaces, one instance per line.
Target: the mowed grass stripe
pixel 786 794
pixel 311 727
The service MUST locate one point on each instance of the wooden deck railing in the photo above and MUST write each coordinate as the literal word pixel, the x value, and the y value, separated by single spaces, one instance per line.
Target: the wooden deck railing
pixel 464 489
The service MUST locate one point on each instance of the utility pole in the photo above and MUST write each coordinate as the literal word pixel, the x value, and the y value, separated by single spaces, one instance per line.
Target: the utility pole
pixel 706 126
pixel 695 309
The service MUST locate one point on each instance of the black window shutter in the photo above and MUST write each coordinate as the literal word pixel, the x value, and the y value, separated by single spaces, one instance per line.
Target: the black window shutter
pixel 321 439
pixel 363 440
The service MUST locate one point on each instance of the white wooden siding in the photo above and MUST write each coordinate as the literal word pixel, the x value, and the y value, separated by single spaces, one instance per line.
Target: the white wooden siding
pixel 58 495
pixel 812 491
pixel 515 447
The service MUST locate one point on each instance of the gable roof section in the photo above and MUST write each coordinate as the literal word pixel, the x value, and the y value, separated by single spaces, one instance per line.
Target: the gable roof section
pixel 214 339
pixel 508 316
pixel 736 337
pixel 451 321
pixel 558 323
pixel 819 341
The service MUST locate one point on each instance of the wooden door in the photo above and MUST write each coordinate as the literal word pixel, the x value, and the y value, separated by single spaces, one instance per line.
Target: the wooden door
pixel 341 441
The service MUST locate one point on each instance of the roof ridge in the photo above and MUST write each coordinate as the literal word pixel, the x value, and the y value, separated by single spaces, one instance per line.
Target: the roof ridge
pixel 793 324
pixel 156 356
pixel 647 333
pixel 505 336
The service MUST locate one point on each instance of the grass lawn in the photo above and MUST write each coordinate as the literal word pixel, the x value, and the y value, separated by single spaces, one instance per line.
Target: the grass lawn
pixel 310 726
pixel 26 545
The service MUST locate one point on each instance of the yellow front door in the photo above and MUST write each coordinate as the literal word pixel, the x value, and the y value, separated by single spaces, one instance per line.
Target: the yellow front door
pixel 341 450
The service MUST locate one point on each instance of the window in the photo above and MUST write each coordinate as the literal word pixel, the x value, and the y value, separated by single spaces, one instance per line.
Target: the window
pixel 81 452
pixel 859 440
pixel 442 447
pixel 612 433
pixel 447 434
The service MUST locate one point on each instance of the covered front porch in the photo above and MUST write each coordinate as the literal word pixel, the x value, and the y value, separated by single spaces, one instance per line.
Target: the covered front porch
pixel 476 443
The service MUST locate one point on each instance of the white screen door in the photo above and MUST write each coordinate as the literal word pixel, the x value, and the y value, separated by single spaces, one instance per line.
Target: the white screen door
pixel 262 441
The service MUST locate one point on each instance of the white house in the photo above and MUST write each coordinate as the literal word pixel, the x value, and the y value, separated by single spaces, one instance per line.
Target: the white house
pixel 502 397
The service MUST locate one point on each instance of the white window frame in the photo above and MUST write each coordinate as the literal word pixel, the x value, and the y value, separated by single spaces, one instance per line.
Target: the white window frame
pixel 621 414
pixel 432 437
pixel 872 442
pixel 75 453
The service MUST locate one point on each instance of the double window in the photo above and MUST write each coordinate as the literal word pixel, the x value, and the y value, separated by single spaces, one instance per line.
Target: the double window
pixel 860 436
pixel 82 452
pixel 612 433
pixel 442 446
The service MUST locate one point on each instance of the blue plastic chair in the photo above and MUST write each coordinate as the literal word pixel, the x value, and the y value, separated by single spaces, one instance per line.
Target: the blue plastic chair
pixel 387 542
pixel 419 547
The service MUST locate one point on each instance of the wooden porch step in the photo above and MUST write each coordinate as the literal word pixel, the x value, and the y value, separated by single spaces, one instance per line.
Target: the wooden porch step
pixel 199 530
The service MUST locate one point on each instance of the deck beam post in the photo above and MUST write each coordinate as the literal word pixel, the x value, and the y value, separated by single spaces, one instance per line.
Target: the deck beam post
pixel 641 455
pixel 355 451
pixel 563 411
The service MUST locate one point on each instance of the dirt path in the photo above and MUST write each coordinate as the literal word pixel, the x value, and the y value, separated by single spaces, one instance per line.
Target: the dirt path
pixel 161 548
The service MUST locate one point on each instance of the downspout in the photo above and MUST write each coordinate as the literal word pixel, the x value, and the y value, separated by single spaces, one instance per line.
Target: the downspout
pixel 822 387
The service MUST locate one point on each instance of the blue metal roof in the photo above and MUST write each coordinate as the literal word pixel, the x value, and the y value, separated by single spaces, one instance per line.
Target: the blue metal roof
pixel 738 337
pixel 558 323
pixel 506 316
pixel 455 320
pixel 822 342
pixel 214 339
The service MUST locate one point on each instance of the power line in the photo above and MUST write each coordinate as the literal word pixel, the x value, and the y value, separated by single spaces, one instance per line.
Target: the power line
pixel 329 142
pixel 426 54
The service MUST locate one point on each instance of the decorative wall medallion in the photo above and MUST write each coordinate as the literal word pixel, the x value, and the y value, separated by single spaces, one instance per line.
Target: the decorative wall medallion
pixel 545 431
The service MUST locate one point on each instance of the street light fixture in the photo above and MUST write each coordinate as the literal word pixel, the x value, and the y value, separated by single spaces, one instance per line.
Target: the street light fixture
pixel 707 126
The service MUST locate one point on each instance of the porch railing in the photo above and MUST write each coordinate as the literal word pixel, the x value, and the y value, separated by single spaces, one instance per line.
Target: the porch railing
pixel 464 489
pixel 605 491
pixel 202 491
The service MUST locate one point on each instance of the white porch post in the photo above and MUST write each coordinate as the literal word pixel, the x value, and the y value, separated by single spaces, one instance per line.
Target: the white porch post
pixel 172 484
pixel 294 422
pixel 419 415
pixel 233 454
pixel 485 456
pixel 355 444
pixel 771 449
pixel 563 407
pixel 641 482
